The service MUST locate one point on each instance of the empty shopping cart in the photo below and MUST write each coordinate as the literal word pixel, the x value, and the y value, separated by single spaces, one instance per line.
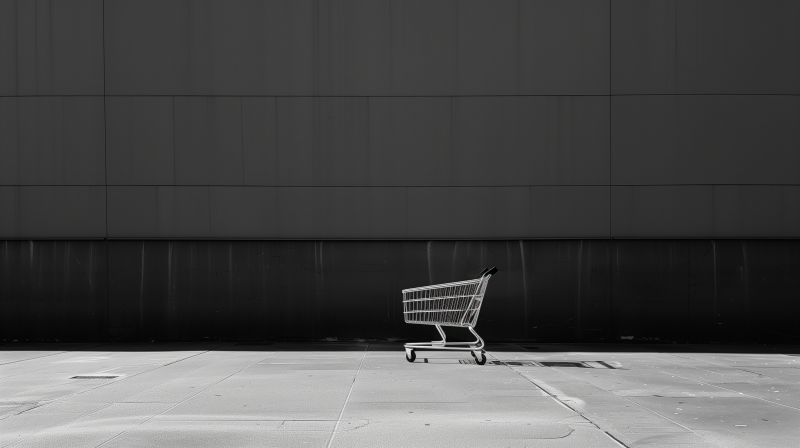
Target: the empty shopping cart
pixel 449 304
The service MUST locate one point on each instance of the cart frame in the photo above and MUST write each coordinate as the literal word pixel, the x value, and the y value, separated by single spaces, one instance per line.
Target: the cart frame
pixel 458 309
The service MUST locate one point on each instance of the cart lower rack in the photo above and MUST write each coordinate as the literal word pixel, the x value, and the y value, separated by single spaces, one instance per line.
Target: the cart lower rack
pixel 449 304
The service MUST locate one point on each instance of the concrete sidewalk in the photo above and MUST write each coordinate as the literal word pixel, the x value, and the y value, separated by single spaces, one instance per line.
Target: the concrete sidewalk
pixel 368 395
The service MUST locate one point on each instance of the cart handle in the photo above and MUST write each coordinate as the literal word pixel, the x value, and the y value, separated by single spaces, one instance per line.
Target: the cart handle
pixel 488 271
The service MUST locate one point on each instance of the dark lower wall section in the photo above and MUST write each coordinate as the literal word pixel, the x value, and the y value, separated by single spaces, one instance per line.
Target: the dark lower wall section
pixel 53 290
pixel 673 290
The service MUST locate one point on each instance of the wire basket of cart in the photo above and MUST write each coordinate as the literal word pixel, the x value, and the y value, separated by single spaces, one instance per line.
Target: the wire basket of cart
pixel 455 304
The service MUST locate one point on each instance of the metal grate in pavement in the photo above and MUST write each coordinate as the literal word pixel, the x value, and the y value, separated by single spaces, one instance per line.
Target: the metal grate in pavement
pixel 564 364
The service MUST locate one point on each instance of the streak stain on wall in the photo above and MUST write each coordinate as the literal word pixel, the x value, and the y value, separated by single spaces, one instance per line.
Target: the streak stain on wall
pixel 590 290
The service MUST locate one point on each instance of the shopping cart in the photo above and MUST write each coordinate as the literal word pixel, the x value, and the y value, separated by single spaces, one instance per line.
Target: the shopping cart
pixel 449 304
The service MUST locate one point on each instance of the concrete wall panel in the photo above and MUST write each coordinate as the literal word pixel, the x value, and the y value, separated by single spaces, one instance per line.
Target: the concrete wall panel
pixel 323 141
pixel 192 212
pixel 276 48
pixel 9 212
pixel 295 141
pixel 208 141
pixel 705 47
pixel 662 211
pixel 424 47
pixel 9 141
pixel 409 141
pixel 257 212
pixel 570 212
pixel 468 212
pixel 183 212
pixel 564 47
pixel 342 212
pixel 62 212
pixel 159 212
pixel 296 212
pixel 341 104
pixel 243 212
pixel 164 47
pixel 739 46
pixel 354 48
pixel 488 47
pixel 157 47
pixel 52 141
pixel 260 141
pixel 140 140
pixel 133 212
pixel 289 47
pixel 51 48
pixel 233 35
pixel 643 36
pixel 739 139
pixel 771 211
pixel 382 212
pixel 530 141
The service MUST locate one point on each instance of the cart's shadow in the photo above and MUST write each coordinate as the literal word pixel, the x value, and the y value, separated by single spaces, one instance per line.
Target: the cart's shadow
pixel 610 365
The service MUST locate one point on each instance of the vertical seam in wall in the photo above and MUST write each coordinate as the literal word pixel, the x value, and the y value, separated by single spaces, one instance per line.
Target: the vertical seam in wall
pixel 610 117
pixel 391 52
pixel 713 211
pixel 105 175
pixel 519 47
pixel 16 53
pixel 18 188
pixel 371 188
pixel 407 210
pixel 612 330
pixel 105 121
pixel 450 164
pixel 458 19
pixel 241 134
pixel 529 230
pixel 208 211
pixel 174 168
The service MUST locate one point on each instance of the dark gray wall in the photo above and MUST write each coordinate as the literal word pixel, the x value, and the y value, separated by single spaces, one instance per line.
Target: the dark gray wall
pixel 399 119
pixel 672 290
pixel 676 122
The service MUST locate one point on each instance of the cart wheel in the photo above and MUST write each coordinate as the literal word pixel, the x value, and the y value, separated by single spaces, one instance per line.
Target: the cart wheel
pixel 473 355
pixel 482 360
pixel 411 357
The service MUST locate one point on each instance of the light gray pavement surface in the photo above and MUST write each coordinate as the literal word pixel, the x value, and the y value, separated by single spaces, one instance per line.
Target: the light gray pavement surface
pixel 368 395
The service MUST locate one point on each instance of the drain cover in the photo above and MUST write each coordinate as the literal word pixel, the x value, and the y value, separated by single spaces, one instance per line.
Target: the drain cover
pixel 514 363
pixel 563 364
pixel 94 377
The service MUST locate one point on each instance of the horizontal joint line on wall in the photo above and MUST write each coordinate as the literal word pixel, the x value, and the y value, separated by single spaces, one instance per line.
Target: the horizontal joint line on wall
pixel 399 186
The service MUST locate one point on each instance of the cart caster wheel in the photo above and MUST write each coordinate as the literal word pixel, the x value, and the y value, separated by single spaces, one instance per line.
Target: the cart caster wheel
pixel 480 361
pixel 411 356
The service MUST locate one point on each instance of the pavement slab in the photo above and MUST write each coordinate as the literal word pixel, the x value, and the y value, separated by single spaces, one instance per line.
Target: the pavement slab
pixel 362 394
